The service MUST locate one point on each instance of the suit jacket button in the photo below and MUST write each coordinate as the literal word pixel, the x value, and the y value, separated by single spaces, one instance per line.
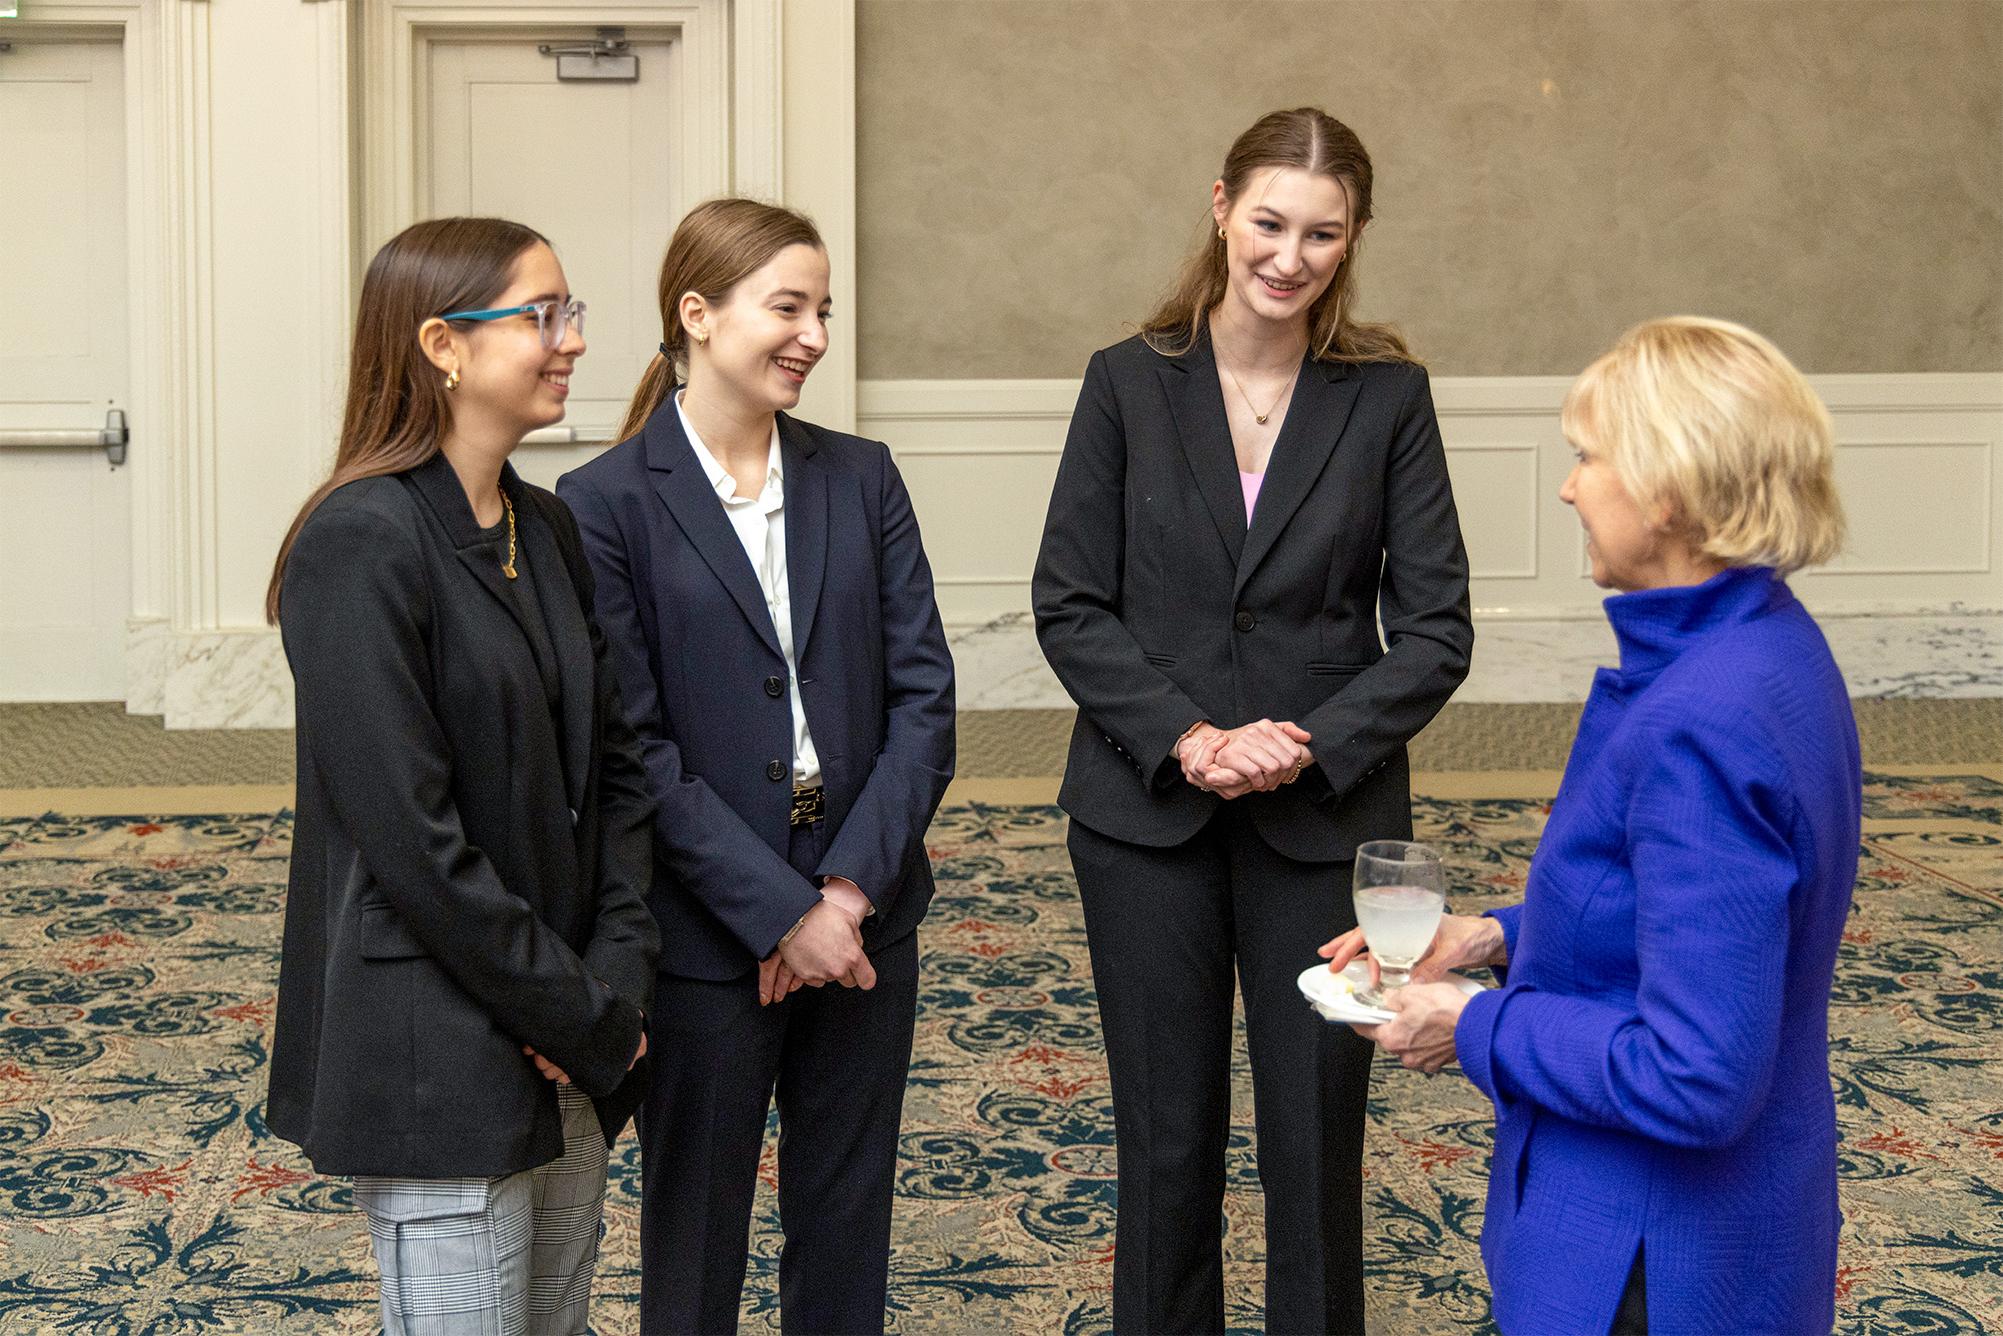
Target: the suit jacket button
pixel 776 771
pixel 775 687
pixel 1244 621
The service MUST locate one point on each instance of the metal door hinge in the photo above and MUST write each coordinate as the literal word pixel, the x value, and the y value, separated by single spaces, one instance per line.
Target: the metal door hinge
pixel 606 59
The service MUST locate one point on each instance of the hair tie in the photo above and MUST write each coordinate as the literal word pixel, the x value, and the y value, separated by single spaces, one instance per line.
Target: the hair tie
pixel 664 350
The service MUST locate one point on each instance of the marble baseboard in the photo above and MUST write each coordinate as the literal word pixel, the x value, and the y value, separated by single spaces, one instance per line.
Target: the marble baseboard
pixel 1522 661
pixel 207 679
pixel 238 679
pixel 149 647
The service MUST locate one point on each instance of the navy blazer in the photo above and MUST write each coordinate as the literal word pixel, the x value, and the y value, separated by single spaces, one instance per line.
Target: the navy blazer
pixel 1659 1056
pixel 703 680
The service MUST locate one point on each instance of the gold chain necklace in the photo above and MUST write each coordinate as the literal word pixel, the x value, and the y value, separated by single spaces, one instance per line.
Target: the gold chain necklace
pixel 508 566
pixel 1261 417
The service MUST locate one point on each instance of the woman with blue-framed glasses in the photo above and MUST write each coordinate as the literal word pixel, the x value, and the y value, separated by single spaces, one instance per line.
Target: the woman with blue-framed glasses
pixel 468 954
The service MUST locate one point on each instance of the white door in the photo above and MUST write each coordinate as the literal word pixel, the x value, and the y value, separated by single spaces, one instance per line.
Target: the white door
pixel 587 164
pixel 65 534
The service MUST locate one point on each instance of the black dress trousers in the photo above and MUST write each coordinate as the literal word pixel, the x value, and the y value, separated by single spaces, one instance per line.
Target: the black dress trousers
pixel 1164 926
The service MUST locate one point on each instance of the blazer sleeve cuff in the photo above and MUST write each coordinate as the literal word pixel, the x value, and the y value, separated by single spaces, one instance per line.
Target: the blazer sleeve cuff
pixel 1474 1039
pixel 1511 919
pixel 609 1045
pixel 776 922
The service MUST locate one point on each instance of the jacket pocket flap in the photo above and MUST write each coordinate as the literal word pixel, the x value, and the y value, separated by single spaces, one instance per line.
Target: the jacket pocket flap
pixel 384 936
pixel 1336 669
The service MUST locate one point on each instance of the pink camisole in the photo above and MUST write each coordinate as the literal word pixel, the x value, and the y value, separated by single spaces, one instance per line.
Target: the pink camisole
pixel 1250 482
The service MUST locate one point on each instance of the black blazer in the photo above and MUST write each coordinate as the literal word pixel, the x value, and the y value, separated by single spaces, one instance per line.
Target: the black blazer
pixel 468 875
pixel 704 684
pixel 1157 607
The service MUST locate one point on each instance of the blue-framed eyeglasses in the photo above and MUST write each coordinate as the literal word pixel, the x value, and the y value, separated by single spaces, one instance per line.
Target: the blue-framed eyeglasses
pixel 554 319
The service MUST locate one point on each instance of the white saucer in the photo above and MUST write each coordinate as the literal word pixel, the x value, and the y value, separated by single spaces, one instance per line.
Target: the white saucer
pixel 1334 995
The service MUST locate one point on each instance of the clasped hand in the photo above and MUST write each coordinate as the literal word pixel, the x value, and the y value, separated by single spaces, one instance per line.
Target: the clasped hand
pixel 551 1072
pixel 827 948
pixel 1255 758
pixel 1426 1010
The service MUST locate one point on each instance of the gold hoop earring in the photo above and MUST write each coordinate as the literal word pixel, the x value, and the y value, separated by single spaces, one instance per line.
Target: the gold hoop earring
pixel 452 379
pixel 1220 234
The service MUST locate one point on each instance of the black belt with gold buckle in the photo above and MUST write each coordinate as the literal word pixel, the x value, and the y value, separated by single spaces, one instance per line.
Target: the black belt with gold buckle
pixel 808 805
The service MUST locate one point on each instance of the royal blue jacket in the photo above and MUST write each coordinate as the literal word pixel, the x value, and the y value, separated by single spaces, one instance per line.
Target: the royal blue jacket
pixel 1659 1054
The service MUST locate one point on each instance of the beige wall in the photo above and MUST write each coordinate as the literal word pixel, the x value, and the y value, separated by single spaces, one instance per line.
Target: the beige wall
pixel 1549 171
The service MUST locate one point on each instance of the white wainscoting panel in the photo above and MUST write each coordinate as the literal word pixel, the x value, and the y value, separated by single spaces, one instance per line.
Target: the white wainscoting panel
pixel 1916 461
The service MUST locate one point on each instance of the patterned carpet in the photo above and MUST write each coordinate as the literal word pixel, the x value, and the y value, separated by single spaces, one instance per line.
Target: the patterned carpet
pixel 141 1193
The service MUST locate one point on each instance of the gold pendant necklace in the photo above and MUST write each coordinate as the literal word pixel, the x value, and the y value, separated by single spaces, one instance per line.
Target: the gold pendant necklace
pixel 1256 414
pixel 508 566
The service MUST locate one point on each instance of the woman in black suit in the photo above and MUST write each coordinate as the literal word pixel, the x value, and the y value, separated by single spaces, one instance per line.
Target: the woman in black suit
pixel 1246 486
pixel 468 956
pixel 769 605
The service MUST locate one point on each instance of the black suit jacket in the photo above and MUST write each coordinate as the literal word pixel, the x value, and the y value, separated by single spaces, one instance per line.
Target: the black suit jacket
pixel 468 871
pixel 703 680
pixel 1157 607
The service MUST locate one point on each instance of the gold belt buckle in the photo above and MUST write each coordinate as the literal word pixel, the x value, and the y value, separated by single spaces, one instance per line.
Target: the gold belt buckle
pixel 808 804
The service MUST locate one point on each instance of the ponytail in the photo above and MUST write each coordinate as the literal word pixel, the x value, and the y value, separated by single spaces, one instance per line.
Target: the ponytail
pixel 656 384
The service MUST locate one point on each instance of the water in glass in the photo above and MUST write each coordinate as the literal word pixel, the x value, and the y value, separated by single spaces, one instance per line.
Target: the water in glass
pixel 1400 894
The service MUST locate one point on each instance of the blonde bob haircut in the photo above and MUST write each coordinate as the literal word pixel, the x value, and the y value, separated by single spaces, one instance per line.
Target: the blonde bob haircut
pixel 1708 424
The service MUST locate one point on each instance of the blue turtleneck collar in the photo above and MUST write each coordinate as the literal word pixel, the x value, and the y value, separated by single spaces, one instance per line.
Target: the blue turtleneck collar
pixel 1653 626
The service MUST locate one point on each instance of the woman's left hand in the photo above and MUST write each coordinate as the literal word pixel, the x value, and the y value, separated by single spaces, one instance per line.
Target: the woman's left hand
pixel 551 1072
pixel 1422 1036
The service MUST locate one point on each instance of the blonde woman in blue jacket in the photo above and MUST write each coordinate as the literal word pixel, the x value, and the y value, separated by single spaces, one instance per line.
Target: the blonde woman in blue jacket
pixel 1658 1057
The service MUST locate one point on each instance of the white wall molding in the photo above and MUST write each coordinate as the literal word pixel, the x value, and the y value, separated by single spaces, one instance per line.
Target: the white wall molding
pixel 818 124
pixel 758 75
pixel 1917 454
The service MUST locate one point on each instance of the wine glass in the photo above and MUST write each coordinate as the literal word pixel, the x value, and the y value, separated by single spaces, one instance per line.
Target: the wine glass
pixel 1401 891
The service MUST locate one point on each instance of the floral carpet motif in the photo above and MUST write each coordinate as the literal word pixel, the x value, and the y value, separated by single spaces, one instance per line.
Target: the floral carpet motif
pixel 140 1191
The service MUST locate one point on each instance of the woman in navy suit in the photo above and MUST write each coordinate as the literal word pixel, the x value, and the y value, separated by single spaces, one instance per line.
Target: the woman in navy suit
pixel 1248 486
pixel 771 617
pixel 1665 1148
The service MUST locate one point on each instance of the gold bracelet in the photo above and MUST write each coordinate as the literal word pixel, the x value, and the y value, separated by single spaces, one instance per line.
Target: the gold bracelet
pixel 1187 733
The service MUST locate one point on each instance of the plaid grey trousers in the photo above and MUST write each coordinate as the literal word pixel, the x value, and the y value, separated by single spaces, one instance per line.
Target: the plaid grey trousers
pixel 510 1256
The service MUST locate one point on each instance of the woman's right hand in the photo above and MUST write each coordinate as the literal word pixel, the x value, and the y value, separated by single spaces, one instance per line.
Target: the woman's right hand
pixel 827 948
pixel 1255 758
pixel 1464 941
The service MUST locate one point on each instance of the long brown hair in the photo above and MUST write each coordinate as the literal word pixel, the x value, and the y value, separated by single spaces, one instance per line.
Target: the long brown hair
pixel 1313 141
pixel 396 412
pixel 718 245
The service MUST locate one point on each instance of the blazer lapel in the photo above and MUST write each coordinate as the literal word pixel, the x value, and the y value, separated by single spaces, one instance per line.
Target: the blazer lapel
pixel 684 489
pixel 440 487
pixel 570 638
pixel 1323 397
pixel 1196 405
pixel 806 528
